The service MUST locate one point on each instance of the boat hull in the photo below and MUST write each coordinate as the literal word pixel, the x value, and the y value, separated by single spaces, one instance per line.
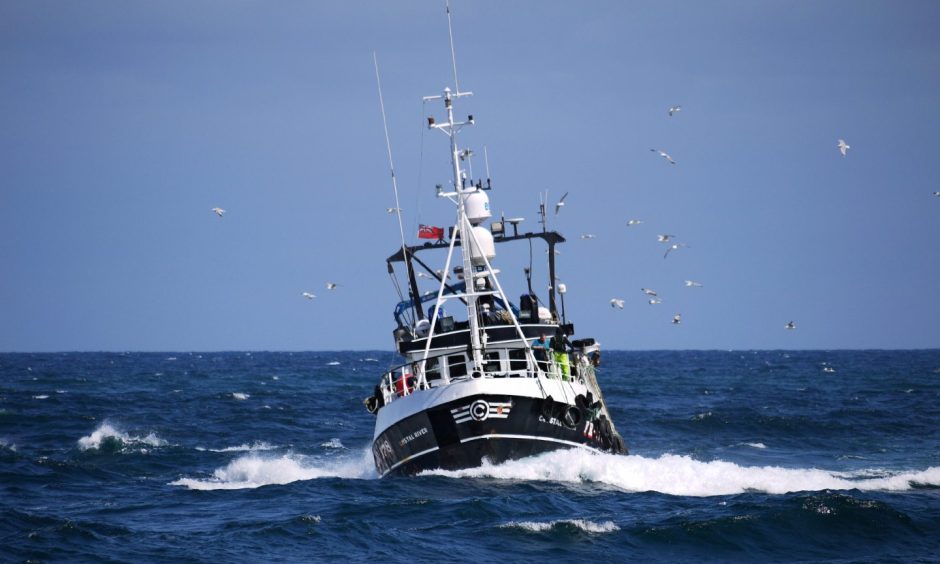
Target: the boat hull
pixel 464 433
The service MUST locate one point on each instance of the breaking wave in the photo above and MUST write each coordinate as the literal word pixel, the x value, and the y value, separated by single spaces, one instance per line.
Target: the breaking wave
pixel 107 437
pixel 253 471
pixel 578 524
pixel 246 447
pixel 684 476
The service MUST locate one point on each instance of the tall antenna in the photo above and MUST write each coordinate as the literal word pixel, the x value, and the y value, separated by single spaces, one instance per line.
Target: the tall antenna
pixel 388 146
pixel 453 57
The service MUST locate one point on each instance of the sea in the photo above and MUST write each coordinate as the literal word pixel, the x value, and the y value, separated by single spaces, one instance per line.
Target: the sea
pixel 264 456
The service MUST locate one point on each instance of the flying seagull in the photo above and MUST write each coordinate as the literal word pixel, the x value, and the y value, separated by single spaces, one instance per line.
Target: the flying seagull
pixel 648 292
pixel 393 210
pixel 673 248
pixel 677 319
pixel 937 194
pixel 692 284
pixel 615 302
pixel 790 325
pixel 331 285
pixel 588 236
pixel 843 146
pixel 674 109
pixel 308 295
pixel 561 203
pixel 664 238
pixel 664 155
pixel 218 211
pixel 655 301
pixel 633 222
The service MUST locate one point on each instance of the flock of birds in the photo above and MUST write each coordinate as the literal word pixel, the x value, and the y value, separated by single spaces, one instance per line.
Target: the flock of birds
pixel 667 239
pixel 617 303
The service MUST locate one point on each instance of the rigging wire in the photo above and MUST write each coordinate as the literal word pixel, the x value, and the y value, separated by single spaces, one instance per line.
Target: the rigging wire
pixel 453 56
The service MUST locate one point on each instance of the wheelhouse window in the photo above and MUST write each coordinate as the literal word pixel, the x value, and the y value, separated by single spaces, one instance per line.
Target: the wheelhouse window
pixel 457 365
pixel 491 362
pixel 517 360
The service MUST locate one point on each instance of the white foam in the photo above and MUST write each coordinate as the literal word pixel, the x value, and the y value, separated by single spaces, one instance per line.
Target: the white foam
pixel 586 526
pixel 684 476
pixel 333 443
pixel 41 396
pixel 253 447
pixel 756 445
pixel 240 395
pixel 254 471
pixel 105 431
pixel 4 443
pixel 334 363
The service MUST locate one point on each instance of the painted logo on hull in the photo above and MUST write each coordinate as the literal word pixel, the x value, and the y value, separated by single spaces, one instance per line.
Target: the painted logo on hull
pixel 481 410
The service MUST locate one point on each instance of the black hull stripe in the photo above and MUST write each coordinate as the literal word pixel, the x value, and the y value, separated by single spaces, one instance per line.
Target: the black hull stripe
pixel 492 436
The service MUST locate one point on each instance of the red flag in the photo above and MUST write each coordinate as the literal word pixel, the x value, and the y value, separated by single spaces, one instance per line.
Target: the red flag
pixel 430 232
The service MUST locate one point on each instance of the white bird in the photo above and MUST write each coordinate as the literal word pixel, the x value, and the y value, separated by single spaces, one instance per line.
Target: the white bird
pixel 655 301
pixel 561 203
pixel 674 109
pixel 440 272
pixel 677 319
pixel 664 238
pixel 218 211
pixel 331 285
pixel 648 292
pixel 843 146
pixel 692 284
pixel 615 302
pixel 790 325
pixel 393 210
pixel 588 236
pixel 673 248
pixel 664 155
pixel 937 194
pixel 633 222
pixel 308 295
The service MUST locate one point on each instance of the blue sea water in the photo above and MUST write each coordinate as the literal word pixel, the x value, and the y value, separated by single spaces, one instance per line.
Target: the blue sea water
pixel 754 455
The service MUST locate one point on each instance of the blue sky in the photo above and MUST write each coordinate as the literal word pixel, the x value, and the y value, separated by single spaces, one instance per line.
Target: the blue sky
pixel 124 123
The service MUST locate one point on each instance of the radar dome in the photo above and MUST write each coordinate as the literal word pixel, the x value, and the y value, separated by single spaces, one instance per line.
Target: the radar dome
pixel 477 205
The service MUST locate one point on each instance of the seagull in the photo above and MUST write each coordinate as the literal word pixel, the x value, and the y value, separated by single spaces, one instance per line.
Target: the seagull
pixel 664 155
pixel 677 319
pixel 423 275
pixel 440 272
pixel 843 146
pixel 674 109
pixel 655 301
pixel 692 284
pixel 308 295
pixel 790 325
pixel 393 210
pixel 218 211
pixel 633 222
pixel 615 302
pixel 588 236
pixel 664 238
pixel 561 203
pixel 331 285
pixel 648 292
pixel 937 194
pixel 673 248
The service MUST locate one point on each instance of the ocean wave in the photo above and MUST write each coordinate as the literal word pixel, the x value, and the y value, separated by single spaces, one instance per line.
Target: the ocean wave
pixel 240 395
pixel 107 437
pixel 253 471
pixel 333 443
pixel 581 524
pixel 4 443
pixel 682 475
pixel 246 447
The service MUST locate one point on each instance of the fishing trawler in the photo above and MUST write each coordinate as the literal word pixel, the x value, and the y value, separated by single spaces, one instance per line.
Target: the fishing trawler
pixel 499 380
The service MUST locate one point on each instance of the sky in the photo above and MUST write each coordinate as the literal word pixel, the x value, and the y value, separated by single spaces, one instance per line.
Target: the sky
pixel 125 123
